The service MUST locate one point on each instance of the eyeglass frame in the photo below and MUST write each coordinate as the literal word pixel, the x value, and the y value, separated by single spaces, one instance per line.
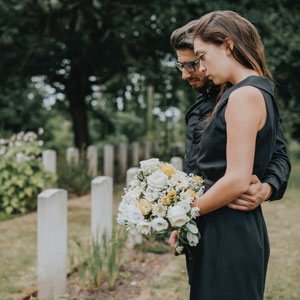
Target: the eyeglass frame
pixel 181 66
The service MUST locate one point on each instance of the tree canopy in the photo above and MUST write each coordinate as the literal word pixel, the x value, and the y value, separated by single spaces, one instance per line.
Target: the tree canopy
pixel 93 51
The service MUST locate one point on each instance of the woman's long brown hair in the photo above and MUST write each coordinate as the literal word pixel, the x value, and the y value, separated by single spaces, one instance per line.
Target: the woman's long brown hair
pixel 248 49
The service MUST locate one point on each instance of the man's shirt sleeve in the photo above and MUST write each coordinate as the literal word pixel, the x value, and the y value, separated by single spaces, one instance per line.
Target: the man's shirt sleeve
pixel 278 171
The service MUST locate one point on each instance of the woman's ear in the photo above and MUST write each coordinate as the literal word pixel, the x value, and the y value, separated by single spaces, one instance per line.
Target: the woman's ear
pixel 229 45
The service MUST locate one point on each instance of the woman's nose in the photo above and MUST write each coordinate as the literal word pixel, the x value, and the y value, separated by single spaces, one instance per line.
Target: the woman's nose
pixel 202 68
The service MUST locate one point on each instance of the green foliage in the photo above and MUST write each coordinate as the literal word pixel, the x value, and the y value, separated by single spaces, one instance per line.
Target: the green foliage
pixel 74 177
pixel 99 262
pixel 22 175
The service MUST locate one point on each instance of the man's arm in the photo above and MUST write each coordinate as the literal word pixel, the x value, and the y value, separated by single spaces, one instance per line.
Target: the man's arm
pixel 278 171
pixel 274 183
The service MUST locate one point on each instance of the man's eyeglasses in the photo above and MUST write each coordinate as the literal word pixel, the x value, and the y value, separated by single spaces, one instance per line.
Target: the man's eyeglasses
pixel 188 66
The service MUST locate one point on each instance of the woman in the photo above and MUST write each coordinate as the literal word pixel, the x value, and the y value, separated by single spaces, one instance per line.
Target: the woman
pixel 230 262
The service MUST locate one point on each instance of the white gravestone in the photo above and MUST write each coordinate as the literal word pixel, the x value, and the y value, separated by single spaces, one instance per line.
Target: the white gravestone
pixel 92 156
pixel 133 239
pixel 101 207
pixel 49 160
pixel 108 160
pixel 122 160
pixel 72 155
pixel 52 244
pixel 135 150
pixel 177 162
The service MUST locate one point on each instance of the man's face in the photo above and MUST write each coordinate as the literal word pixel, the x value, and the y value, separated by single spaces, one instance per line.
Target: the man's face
pixel 196 79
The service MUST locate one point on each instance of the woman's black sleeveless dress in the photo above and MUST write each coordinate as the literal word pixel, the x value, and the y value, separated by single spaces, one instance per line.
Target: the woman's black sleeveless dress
pixel 230 261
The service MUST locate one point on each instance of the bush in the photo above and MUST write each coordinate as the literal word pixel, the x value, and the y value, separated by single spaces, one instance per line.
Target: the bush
pixel 22 175
pixel 74 177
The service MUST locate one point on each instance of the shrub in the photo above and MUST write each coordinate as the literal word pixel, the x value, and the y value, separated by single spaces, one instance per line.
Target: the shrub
pixel 22 175
pixel 74 177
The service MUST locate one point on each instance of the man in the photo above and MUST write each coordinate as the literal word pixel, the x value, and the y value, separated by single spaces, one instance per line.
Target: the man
pixel 275 180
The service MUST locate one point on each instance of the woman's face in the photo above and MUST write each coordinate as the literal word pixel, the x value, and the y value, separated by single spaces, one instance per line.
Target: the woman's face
pixel 213 60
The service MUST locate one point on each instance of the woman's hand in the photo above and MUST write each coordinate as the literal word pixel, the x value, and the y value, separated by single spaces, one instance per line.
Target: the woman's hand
pixel 173 238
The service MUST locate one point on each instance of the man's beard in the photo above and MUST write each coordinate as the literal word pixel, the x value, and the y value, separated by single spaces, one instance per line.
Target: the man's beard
pixel 206 87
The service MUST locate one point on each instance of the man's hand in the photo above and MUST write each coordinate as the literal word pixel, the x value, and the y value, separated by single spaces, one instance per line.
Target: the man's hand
pixel 256 194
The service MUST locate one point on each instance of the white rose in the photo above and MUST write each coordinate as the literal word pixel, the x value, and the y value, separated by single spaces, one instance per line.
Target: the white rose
pixel 186 197
pixel 134 182
pixel 159 224
pixel 195 212
pixel 185 205
pixel 134 214
pixel 192 228
pixel 150 165
pixel 135 193
pixel 177 216
pixel 157 180
pixel 180 179
pixel 144 227
pixel 150 196
pixel 193 239
pixel 159 210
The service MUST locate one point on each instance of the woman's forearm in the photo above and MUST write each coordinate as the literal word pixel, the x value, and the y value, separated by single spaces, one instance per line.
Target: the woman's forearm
pixel 225 190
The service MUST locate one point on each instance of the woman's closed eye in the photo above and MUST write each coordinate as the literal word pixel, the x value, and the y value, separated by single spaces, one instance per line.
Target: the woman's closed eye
pixel 202 57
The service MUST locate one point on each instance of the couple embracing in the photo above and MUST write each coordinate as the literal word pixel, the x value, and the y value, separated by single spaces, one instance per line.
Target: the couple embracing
pixel 234 140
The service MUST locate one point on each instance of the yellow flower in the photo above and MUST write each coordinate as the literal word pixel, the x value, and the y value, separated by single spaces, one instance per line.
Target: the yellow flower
pixel 198 179
pixel 171 194
pixel 168 169
pixel 145 206
pixel 166 200
pixel 192 193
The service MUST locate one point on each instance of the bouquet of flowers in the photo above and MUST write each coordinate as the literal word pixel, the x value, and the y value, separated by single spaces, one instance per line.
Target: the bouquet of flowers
pixel 158 199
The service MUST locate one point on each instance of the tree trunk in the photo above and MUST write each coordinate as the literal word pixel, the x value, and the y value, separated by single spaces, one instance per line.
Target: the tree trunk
pixel 76 90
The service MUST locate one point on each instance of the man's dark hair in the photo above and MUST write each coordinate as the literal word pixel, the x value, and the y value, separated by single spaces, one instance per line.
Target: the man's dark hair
pixel 183 37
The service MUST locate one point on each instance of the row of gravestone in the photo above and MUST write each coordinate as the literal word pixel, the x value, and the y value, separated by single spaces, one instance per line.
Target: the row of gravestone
pixel 52 230
pixel 72 156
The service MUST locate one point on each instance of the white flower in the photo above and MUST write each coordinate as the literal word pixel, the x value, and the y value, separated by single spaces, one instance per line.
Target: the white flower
pixel 20 157
pixel 150 196
pixel 144 227
pixel 41 131
pixel 159 210
pixel 157 180
pixel 177 216
pixel 40 143
pixel 134 182
pixel 2 141
pixel 2 151
pixel 135 193
pixel 121 219
pixel 193 239
pixel 134 215
pixel 185 205
pixel 159 224
pixel 186 197
pixel 195 212
pixel 200 192
pixel 192 228
pixel 180 179
pixel 150 165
